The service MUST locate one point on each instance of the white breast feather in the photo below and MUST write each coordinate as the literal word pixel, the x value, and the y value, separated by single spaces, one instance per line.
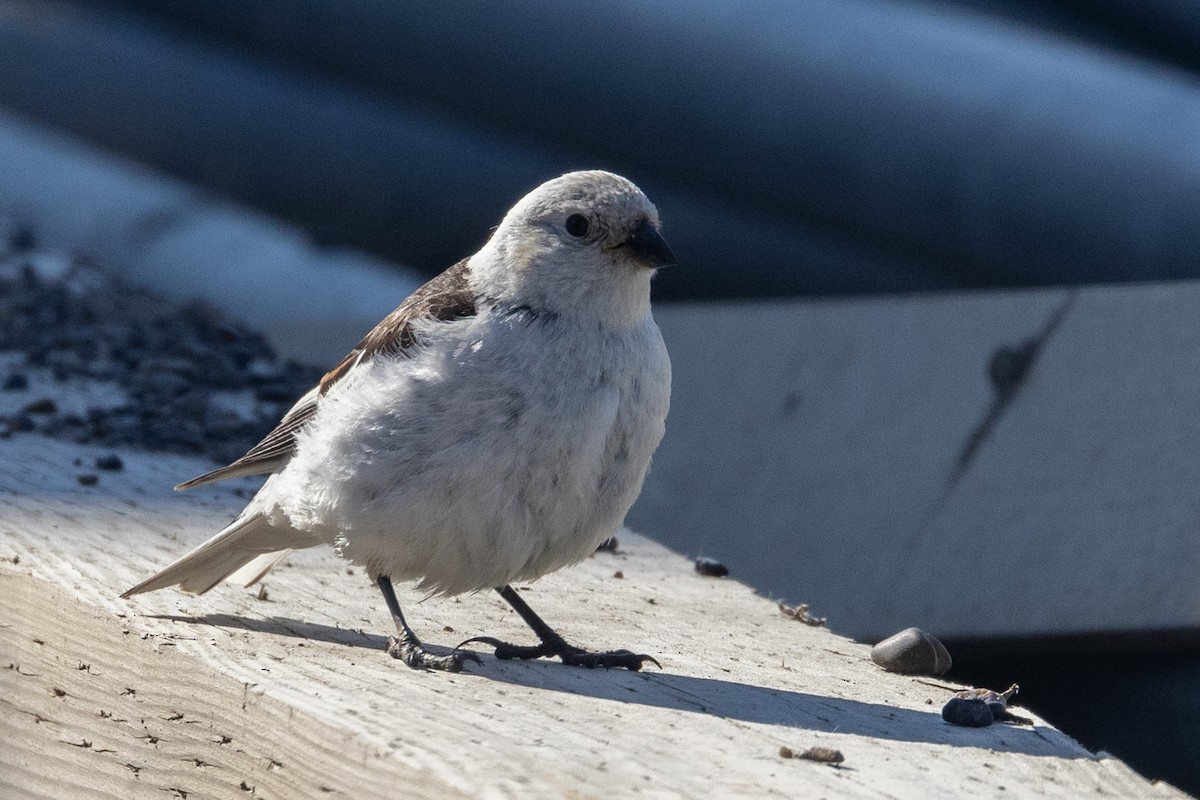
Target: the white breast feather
pixel 507 449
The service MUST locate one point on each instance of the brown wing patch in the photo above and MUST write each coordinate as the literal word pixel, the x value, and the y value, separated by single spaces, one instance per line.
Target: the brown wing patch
pixel 446 297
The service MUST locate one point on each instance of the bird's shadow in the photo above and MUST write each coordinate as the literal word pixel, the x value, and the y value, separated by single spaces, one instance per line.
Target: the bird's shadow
pixel 710 696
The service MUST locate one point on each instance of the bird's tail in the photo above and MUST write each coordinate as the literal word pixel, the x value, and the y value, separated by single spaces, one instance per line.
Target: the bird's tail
pixel 245 551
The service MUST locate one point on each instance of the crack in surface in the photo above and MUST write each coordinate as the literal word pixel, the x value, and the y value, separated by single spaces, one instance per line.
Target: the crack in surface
pixel 1008 371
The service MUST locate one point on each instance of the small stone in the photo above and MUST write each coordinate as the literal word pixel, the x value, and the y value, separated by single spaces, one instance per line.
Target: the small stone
pixel 912 652
pixel 786 752
pixel 42 406
pixel 972 712
pixel 996 702
pixel 22 239
pixel 111 462
pixel 16 382
pixel 711 568
pixel 618 574
pixel 88 479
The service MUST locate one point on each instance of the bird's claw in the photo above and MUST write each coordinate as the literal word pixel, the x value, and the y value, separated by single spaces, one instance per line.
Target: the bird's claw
pixel 506 651
pixel 570 655
pixel 613 658
pixel 416 656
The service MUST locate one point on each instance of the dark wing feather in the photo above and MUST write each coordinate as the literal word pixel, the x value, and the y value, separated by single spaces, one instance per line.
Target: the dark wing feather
pixel 270 453
pixel 446 297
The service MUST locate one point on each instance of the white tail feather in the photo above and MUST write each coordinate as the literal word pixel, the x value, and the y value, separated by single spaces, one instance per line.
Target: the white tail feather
pixel 248 540
pixel 253 571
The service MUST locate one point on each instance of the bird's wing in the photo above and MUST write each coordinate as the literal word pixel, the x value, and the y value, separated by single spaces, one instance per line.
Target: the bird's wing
pixel 446 297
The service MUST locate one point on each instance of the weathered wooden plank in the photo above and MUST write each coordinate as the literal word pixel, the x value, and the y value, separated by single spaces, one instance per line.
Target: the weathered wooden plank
pixel 299 677
pixel 93 708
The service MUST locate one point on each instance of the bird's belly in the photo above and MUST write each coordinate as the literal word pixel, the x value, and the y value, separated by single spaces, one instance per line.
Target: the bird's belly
pixel 509 500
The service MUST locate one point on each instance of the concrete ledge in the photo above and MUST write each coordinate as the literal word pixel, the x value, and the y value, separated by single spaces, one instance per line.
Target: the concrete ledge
pixel 292 692
pixel 858 456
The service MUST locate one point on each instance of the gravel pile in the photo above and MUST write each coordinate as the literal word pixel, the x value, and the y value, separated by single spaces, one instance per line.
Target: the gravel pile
pixel 185 379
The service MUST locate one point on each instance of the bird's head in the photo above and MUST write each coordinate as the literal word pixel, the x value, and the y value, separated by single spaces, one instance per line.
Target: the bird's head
pixel 585 243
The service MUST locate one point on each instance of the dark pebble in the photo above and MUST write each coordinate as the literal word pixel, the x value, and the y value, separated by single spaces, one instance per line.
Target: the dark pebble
pixel 71 427
pixel 111 462
pixel 15 382
pixel 971 712
pixel 88 479
pixel 43 406
pixel 22 240
pixel 711 568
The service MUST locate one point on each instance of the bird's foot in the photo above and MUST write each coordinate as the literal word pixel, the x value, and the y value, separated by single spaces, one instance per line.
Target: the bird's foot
pixel 570 655
pixel 414 654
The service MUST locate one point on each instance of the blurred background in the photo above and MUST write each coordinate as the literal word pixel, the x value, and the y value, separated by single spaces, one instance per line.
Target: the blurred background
pixel 861 146
pixel 823 149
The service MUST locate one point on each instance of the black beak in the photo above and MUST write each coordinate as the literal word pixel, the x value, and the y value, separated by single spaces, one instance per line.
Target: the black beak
pixel 649 244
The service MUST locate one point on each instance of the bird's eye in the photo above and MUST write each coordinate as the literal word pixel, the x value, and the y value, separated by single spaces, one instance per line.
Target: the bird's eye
pixel 577 225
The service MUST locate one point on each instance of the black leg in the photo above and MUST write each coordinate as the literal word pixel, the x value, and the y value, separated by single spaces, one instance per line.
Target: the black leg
pixel 407 647
pixel 554 645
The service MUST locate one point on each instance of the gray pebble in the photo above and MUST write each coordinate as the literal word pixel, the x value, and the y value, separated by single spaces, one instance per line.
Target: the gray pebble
pixel 912 652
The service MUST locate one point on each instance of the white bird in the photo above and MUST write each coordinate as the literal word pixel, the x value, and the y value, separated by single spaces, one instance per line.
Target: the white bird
pixel 495 427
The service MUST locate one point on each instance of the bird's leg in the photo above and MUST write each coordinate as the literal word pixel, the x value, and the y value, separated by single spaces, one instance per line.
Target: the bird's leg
pixel 554 645
pixel 407 647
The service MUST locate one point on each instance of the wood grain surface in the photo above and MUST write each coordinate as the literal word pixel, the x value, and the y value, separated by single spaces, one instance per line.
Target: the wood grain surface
pixel 287 693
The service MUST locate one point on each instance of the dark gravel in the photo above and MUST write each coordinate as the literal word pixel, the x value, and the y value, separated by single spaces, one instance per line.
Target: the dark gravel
pixel 111 462
pixel 80 323
pixel 711 568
